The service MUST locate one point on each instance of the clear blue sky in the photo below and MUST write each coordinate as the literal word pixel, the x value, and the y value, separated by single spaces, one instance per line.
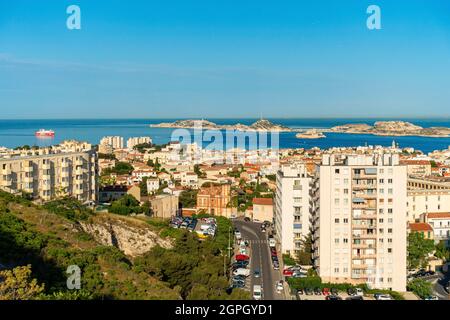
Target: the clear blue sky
pixel 224 58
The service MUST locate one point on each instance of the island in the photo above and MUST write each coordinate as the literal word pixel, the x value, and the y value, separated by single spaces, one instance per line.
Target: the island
pixel 392 128
pixel 310 134
pixel 260 125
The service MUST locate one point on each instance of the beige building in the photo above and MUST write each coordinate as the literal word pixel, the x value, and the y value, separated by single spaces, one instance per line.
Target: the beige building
pixel 360 222
pixel 109 144
pixel 164 206
pixel 292 207
pixel 440 222
pixel 134 141
pixel 263 209
pixel 426 200
pixel 68 169
pixel 215 200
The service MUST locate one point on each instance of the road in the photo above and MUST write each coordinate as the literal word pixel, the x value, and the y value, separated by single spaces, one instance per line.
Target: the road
pixel 260 259
pixel 438 286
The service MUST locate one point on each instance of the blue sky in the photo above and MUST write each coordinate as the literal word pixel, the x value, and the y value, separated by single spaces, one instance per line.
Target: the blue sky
pixel 233 58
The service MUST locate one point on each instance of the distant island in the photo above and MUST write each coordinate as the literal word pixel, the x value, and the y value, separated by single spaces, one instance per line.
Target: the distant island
pixel 392 128
pixel 310 134
pixel 260 125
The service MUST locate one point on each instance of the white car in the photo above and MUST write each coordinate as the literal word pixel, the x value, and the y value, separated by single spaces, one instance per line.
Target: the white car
pixel 238 235
pixel 384 297
pixel 241 272
pixel 257 292
pixel 279 286
pixel 359 292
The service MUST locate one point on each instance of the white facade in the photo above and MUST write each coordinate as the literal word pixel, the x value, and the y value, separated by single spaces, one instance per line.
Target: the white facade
pixel 134 141
pixel 423 201
pixel 292 205
pixel 152 185
pixel 360 223
pixel 114 142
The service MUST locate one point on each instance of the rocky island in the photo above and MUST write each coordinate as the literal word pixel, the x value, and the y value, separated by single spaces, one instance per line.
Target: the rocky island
pixel 310 134
pixel 392 128
pixel 260 125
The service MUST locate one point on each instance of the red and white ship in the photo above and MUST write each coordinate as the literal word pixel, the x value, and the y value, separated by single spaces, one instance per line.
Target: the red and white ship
pixel 45 133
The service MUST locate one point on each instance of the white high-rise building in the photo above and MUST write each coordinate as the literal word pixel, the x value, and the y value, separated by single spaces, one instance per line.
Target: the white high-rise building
pixel 292 206
pixel 109 144
pixel 134 141
pixel 359 226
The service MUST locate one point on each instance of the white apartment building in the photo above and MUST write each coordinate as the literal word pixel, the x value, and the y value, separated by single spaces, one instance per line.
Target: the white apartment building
pixel 152 185
pixel 440 222
pixel 134 141
pixel 68 169
pixel 359 224
pixel 110 143
pixel 422 201
pixel 292 206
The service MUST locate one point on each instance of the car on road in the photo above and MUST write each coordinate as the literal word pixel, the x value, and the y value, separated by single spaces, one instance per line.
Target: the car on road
pixel 240 264
pixel 381 296
pixel 431 298
pixel 279 286
pixel 300 291
pixel 332 297
pixel 317 291
pixel 447 287
pixel 247 219
pixel 238 235
pixel 272 243
pixel 334 291
pixel 276 266
pixel 257 273
pixel 241 272
pixel 355 292
pixel 257 292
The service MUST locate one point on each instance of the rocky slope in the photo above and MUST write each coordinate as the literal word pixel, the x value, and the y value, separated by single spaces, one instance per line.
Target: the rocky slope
pixel 133 238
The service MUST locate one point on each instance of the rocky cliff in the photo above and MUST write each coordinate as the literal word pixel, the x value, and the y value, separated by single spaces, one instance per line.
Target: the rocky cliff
pixel 132 237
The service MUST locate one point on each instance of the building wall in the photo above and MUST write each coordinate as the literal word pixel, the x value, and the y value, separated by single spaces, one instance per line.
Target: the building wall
pixel 422 201
pixel 263 212
pixel 292 204
pixel 50 176
pixel 362 241
pixel 164 206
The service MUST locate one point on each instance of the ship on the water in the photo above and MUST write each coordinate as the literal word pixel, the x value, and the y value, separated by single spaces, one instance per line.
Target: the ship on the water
pixel 43 133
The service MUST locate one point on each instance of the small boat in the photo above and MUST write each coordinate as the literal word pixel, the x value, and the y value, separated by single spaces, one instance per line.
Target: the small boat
pixel 45 133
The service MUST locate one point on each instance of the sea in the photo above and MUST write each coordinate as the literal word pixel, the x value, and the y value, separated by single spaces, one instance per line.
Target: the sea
pixel 14 133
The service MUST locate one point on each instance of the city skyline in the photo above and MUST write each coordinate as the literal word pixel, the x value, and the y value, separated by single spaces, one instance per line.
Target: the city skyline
pixel 224 60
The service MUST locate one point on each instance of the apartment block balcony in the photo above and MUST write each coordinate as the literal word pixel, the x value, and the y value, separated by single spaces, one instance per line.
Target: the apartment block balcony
pixel 364 256
pixel 46 177
pixel 28 168
pixel 6 183
pixel 46 166
pixel 28 179
pixel 46 187
pixel 65 184
pixel 6 171
pixel 65 164
pixel 365 195
pixel 65 174
pixel 79 162
pixel 78 191
pixel 359 266
pixel 363 226
pixel 363 186
pixel 79 171
pixel 28 189
pixel 365 236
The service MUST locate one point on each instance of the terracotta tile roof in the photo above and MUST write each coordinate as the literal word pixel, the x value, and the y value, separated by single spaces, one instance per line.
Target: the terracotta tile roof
pixel 420 227
pixel 263 201
pixel 438 215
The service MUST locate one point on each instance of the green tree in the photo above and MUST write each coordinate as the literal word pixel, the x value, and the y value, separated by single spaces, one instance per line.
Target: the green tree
pixel 442 252
pixel 304 256
pixel 420 287
pixel 17 284
pixel 188 198
pixel 418 250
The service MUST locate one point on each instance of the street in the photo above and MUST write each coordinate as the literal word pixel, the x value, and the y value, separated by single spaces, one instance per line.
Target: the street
pixel 260 259
pixel 438 286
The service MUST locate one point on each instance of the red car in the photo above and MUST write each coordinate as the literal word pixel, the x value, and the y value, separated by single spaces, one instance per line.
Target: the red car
pixel 241 257
pixel 326 291
pixel 288 272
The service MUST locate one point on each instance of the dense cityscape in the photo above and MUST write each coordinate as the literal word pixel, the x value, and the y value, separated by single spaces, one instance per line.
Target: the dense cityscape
pixel 366 222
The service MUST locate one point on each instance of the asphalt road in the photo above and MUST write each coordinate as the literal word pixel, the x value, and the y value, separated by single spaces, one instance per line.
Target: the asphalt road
pixel 438 287
pixel 260 258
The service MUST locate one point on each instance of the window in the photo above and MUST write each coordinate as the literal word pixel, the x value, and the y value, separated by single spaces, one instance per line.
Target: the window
pixel 390 181
pixel 345 191
pixel 381 181
pixel 336 171
pixel 345 220
pixel 345 240
pixel 336 220
pixel 336 201
pixel 390 210
pixel 336 240
pixel 390 191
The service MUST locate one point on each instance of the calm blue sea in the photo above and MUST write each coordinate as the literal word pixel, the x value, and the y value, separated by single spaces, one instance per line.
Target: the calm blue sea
pixel 15 133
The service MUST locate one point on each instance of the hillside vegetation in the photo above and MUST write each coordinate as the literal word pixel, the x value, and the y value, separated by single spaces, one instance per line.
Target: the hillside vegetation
pixel 50 238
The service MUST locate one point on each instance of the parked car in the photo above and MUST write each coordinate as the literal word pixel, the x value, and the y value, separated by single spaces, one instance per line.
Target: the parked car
pixel 239 277
pixel 241 257
pixel 383 297
pixel 447 287
pixel 317 291
pixel 351 291
pixel 276 266
pixel 326 291
pixel 238 235
pixel 288 272
pixel 359 292
pixel 431 298
pixel 256 273
pixel 241 271
pixel 334 291
pixel 332 297
pixel 309 291
pixel 354 298
pixel 300 291
pixel 239 283
pixel 247 219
